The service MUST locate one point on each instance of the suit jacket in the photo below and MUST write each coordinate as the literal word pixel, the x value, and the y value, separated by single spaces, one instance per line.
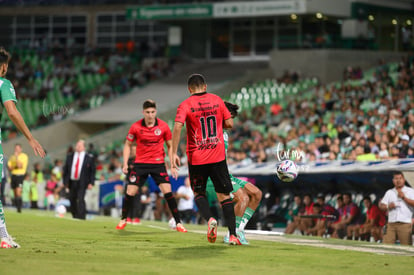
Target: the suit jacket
pixel 88 170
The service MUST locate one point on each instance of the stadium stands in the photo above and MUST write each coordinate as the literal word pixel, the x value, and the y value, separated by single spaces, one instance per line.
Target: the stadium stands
pixel 51 86
pixel 342 120
pixel 306 116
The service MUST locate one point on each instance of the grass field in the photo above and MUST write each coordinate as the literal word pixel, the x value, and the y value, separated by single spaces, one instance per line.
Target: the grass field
pixel 53 245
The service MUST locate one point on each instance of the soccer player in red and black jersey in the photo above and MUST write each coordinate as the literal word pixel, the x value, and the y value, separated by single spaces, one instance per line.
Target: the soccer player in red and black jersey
pixel 150 134
pixel 205 115
pixel 375 219
pixel 133 214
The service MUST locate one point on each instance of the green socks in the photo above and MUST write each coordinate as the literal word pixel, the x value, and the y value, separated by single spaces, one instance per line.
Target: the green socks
pixel 245 219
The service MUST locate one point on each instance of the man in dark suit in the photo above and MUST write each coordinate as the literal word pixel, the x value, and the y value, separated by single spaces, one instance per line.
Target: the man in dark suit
pixel 79 175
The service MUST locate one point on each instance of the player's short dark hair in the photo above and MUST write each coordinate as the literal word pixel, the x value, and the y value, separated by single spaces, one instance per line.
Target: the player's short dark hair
pixel 322 197
pixel 149 103
pixel 196 80
pixel 368 198
pixel 397 173
pixel 232 108
pixel 316 205
pixel 4 56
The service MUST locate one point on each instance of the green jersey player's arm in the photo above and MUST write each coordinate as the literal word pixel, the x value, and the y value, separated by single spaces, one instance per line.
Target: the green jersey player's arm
pixel 228 123
pixel 17 120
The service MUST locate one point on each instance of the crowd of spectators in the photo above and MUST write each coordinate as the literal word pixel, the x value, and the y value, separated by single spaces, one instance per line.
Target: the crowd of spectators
pixel 372 119
pixel 344 216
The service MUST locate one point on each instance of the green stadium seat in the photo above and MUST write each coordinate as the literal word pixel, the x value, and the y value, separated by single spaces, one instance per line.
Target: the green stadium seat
pixel 51 100
pixel 37 108
pixel 99 101
pixel 92 102
pixel 69 99
pixel 82 84
pixel 90 81
pixel 59 97
pixel 38 84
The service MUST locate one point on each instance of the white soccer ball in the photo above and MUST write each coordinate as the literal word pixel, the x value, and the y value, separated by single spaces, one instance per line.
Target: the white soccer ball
pixel 61 210
pixel 287 171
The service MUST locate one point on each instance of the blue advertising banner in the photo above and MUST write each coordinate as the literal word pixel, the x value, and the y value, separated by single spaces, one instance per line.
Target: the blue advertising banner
pixel 175 183
pixel 107 193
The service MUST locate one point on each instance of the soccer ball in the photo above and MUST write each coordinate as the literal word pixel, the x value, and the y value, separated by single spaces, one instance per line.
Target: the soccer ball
pixel 287 171
pixel 60 210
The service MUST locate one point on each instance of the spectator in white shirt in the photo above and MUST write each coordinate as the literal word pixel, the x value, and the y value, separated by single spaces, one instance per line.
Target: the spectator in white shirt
pixel 399 201
pixel 185 198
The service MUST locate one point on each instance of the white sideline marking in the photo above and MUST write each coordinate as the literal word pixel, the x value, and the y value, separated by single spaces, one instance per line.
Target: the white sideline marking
pixel 157 227
pixel 264 232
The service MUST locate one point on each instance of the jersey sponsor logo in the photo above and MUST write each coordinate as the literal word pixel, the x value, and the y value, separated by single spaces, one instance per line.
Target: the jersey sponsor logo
pixel 157 132
pixel 204 109
pixel 206 144
pixel 209 141
pixel 12 91
pixel 206 147
pixel 130 136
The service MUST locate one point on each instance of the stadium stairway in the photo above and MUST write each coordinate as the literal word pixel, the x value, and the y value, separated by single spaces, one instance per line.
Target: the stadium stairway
pixel 111 121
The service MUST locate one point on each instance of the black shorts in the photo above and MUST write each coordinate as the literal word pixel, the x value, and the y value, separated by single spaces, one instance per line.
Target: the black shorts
pixel 218 173
pixel 17 181
pixel 142 170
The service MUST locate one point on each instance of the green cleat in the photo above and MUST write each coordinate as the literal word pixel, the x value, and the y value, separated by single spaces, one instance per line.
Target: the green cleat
pixel 226 238
pixel 242 238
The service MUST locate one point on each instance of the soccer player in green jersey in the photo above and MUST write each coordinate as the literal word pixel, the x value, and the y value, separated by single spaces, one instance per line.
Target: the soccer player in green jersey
pixel 8 101
pixel 246 196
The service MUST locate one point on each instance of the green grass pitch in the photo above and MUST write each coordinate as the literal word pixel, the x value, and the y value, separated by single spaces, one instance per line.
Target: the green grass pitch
pixel 53 245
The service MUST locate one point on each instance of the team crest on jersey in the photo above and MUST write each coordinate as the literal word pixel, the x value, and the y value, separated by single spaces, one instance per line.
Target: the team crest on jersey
pixel 132 178
pixel 157 132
